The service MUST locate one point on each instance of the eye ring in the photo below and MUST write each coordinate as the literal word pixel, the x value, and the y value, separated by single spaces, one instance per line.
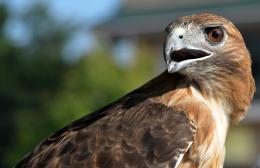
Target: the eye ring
pixel 214 34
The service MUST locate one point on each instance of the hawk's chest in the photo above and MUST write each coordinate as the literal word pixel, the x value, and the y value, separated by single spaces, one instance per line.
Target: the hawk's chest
pixel 211 118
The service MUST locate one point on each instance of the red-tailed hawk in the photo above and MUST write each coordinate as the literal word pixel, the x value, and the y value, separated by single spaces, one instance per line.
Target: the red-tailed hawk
pixel 178 119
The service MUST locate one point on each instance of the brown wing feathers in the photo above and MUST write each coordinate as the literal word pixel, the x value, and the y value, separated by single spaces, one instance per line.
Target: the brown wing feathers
pixel 146 135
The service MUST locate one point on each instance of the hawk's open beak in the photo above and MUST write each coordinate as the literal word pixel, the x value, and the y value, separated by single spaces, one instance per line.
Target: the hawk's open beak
pixel 180 59
pixel 186 54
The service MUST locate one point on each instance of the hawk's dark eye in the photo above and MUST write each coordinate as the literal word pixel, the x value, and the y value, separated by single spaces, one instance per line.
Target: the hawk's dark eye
pixel 214 34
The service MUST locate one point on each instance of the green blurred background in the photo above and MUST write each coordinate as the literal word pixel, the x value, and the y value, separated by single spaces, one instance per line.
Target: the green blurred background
pixel 61 60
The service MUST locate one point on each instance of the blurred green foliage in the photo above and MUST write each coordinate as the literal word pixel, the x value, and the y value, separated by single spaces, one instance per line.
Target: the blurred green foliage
pixel 29 77
pixel 95 81
pixel 40 92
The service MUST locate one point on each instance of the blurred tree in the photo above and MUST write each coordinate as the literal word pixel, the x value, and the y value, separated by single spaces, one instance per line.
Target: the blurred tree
pixel 96 81
pixel 7 87
pixel 29 76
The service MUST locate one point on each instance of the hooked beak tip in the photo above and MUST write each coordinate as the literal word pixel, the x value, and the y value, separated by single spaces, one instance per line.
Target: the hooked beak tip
pixel 172 67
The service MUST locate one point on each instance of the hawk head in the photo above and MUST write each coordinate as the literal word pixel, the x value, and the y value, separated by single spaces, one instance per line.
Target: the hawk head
pixel 210 51
pixel 193 41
